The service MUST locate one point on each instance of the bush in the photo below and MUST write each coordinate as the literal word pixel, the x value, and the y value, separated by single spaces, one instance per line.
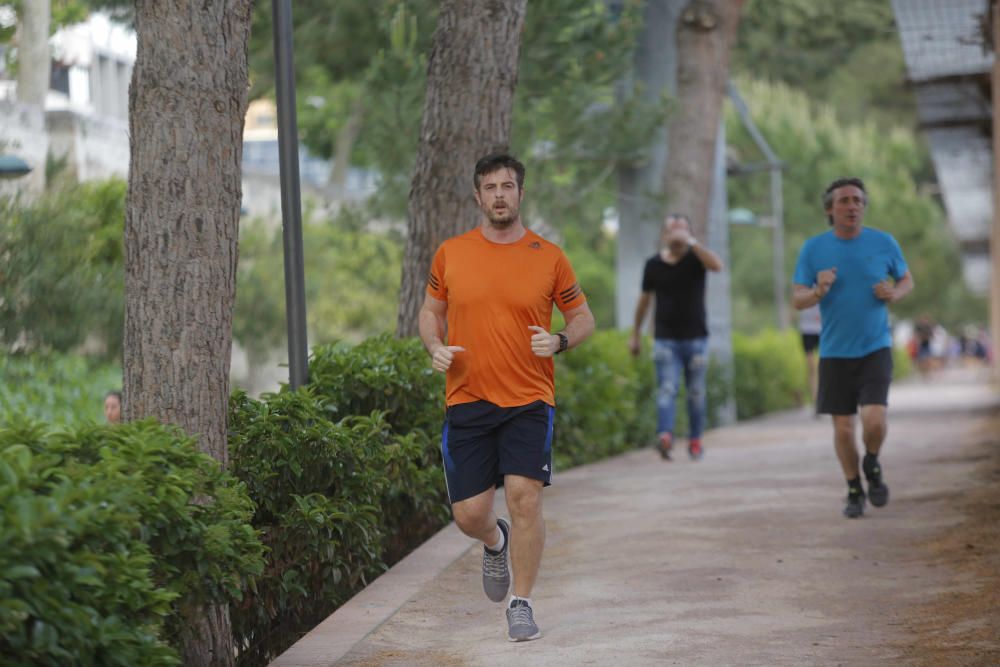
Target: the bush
pixel 63 278
pixel 336 503
pixel 769 372
pixel 106 533
pixel 604 400
pixel 382 373
pixel 56 389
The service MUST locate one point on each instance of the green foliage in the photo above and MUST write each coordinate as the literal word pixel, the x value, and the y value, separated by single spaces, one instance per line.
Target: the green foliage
pixel 106 533
pixel 56 389
pixel 337 502
pixel 604 398
pixel 62 14
pixel 769 372
pixel 384 374
pixel 62 275
pixel 846 55
pixel 352 281
pixel 372 56
pixel 819 148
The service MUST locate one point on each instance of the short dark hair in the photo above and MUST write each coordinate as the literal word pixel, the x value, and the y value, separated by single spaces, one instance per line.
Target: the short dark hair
pixel 114 392
pixel 839 183
pixel 495 162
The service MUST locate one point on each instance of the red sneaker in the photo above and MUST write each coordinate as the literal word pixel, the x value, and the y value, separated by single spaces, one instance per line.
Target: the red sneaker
pixel 664 445
pixel 695 450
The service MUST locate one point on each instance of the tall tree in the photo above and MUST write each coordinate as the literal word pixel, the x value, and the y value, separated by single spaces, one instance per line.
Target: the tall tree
pixel 640 182
pixel 187 102
pixel 471 76
pixel 705 35
pixel 33 51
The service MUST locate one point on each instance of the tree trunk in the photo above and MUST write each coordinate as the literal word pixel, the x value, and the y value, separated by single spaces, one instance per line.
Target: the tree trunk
pixel 705 35
pixel 640 186
pixel 34 63
pixel 187 103
pixel 344 146
pixel 471 76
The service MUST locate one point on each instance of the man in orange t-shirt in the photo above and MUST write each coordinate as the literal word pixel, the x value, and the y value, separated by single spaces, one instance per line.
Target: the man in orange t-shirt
pixel 490 292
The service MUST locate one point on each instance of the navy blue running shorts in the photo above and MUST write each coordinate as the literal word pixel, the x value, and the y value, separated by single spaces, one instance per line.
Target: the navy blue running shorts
pixel 481 442
pixel 846 383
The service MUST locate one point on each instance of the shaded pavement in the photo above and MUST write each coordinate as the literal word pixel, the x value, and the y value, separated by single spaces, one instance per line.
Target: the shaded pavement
pixel 742 558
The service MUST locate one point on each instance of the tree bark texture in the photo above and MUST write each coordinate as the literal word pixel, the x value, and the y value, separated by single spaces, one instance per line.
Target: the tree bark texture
pixel 187 104
pixel 471 77
pixel 640 186
pixel 34 61
pixel 706 31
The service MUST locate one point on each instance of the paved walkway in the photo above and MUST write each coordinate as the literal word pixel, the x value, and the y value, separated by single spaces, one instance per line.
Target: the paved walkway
pixel 740 559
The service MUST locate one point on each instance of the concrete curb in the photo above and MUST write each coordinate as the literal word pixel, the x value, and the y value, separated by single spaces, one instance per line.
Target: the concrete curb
pixel 329 641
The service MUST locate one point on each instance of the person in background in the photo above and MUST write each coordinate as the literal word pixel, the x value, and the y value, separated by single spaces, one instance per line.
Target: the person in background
pixel 854 272
pixel 675 277
pixel 810 325
pixel 113 406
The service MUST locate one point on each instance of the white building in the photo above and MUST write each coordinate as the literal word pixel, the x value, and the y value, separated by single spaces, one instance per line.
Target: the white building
pixel 85 120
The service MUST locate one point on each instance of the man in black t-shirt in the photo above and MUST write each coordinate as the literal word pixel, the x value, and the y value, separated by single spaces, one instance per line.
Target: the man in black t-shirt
pixel 676 276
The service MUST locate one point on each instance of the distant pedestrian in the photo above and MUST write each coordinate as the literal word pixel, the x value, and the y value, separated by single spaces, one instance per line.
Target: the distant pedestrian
pixel 675 277
pixel 923 335
pixel 490 295
pixel 810 326
pixel 853 272
pixel 113 406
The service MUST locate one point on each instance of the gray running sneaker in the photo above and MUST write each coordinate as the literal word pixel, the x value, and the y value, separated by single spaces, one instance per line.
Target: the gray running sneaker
pixel 855 504
pixel 878 492
pixel 496 568
pixel 521 625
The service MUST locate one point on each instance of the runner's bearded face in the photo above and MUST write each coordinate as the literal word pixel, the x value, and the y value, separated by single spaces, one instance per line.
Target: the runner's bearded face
pixel 499 198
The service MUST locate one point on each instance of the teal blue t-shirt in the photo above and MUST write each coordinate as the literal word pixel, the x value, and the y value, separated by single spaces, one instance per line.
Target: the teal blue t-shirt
pixel 855 321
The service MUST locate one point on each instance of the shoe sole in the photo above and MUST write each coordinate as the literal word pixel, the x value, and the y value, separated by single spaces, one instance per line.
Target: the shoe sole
pixel 852 515
pixel 879 497
pixel 664 453
pixel 524 639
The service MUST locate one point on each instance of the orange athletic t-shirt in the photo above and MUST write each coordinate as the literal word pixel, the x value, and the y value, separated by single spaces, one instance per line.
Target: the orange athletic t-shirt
pixel 495 291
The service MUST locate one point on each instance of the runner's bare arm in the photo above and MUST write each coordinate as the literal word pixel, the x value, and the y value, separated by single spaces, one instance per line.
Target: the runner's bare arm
pixel 433 325
pixel 579 324
pixel 891 293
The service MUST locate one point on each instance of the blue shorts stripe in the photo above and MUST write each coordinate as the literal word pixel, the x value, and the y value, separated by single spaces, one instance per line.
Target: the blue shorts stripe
pixel 449 464
pixel 549 428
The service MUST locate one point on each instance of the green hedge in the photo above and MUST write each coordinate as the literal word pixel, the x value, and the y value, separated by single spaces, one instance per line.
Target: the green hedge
pixel 769 372
pixel 106 534
pixel 382 373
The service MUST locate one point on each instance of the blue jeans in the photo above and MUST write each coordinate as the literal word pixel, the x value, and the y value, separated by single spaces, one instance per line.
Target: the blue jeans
pixel 670 356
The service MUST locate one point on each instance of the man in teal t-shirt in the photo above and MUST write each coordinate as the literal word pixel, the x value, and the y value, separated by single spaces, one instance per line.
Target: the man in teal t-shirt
pixel 853 272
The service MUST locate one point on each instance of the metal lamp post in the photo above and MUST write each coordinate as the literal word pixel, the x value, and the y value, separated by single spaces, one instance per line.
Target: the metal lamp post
pixel 291 200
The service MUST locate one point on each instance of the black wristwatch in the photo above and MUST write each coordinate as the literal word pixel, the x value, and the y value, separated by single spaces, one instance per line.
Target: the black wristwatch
pixel 563 342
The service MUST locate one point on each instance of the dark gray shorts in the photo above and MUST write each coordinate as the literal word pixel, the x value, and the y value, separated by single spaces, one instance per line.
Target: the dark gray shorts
pixel 482 442
pixel 846 383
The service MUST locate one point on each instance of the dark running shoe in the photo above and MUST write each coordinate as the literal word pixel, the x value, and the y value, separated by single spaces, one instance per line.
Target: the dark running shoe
pixel 855 503
pixel 695 450
pixel 664 445
pixel 878 492
pixel 496 569
pixel 521 626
